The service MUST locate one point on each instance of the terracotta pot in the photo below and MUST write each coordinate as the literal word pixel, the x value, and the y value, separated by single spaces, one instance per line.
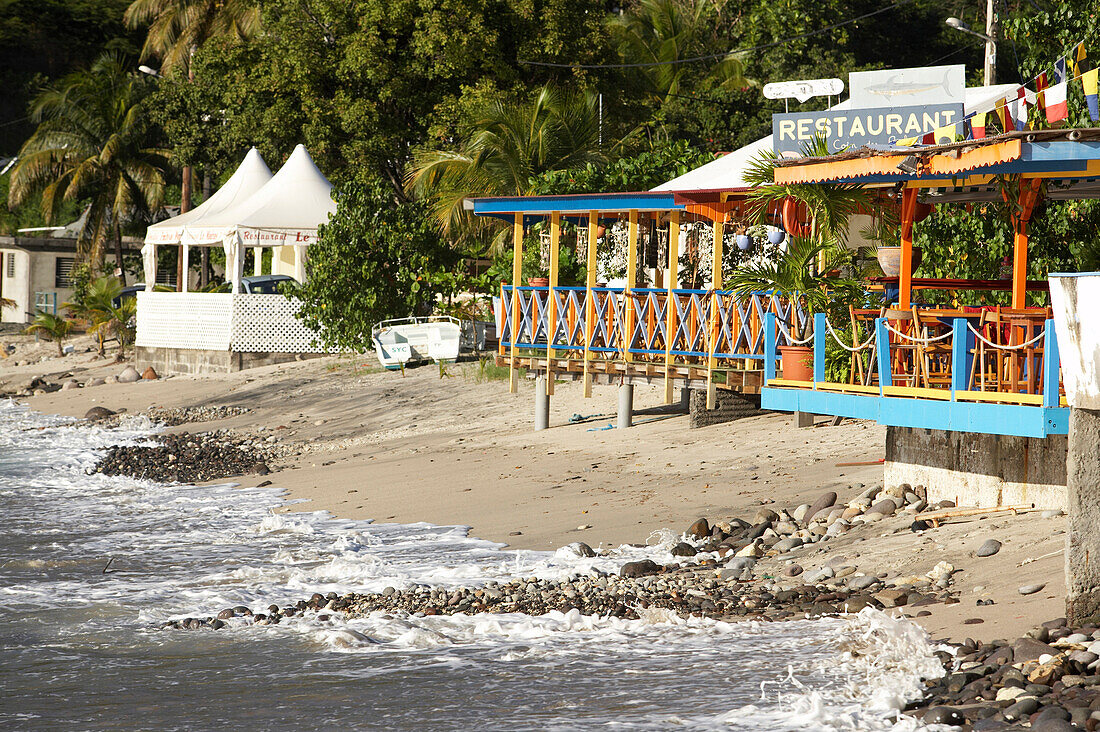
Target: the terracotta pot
pixel 889 258
pixel 797 362
pixel 538 281
pixel 793 214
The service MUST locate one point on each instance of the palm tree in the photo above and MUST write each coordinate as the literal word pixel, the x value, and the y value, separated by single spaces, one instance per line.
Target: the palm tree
pixel 178 28
pixel 662 34
pixel 830 205
pixel 795 276
pixel 53 327
pixel 6 303
pixel 95 307
pixel 92 144
pixel 505 149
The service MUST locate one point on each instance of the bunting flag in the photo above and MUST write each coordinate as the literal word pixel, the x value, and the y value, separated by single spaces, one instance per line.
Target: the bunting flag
pixel 1040 89
pixel 908 142
pixel 1057 109
pixel 1059 71
pixel 1078 58
pixel 1019 113
pixel 1088 81
pixel 977 125
pixel 929 138
pixel 1003 117
pixel 944 135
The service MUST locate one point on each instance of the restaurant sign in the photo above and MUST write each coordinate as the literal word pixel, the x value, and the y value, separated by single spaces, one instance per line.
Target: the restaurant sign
pixel 853 128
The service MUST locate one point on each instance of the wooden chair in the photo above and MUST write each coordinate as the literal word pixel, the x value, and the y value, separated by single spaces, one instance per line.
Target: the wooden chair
pixel 935 355
pixel 863 325
pixel 905 362
pixel 1010 370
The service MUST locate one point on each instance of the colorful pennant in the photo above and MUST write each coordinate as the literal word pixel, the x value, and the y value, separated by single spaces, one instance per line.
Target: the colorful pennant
pixel 1088 81
pixel 1057 108
pixel 1078 57
pixel 977 125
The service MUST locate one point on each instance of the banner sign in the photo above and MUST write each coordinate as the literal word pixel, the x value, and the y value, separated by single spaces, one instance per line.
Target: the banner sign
pixel 853 128
pixel 905 87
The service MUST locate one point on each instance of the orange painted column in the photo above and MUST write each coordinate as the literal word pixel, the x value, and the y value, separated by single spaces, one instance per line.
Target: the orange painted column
pixel 1029 196
pixel 908 209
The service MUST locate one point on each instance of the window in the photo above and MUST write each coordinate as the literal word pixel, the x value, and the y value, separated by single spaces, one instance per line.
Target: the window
pixel 9 270
pixel 63 272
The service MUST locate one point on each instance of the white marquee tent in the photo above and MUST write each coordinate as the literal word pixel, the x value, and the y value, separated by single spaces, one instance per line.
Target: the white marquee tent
pixel 249 178
pixel 284 211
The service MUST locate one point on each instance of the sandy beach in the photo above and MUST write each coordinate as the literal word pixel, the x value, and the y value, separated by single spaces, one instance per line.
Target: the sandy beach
pixel 360 442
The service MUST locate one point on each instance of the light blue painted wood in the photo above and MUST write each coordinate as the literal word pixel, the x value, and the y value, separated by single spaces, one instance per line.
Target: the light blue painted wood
pixel 1051 361
pixel 820 341
pixel 993 419
pixel 962 358
pixel 882 346
pixel 769 347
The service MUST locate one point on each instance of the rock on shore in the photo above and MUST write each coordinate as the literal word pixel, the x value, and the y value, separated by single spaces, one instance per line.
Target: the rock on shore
pixel 187 458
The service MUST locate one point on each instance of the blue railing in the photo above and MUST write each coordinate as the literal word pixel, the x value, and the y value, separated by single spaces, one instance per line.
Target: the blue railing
pixel 960 401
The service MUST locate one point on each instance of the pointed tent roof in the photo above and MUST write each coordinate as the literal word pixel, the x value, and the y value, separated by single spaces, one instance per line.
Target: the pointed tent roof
pixel 249 177
pixel 727 172
pixel 287 210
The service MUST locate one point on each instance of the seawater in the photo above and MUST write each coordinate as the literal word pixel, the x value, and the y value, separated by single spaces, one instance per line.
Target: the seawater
pixel 80 646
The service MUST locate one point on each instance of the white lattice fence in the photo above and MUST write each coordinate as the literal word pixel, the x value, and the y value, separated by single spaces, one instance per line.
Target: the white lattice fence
pixel 267 324
pixel 199 320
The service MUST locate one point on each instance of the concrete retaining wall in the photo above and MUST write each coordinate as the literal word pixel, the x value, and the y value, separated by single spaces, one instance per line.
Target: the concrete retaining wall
pixel 728 406
pixel 978 469
pixel 198 361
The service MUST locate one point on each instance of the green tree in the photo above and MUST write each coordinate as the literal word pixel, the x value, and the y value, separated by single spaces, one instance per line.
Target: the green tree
pixel 362 83
pixel 376 259
pixel 178 28
pixel 504 151
pixel 93 143
pixel 658 36
pixel 53 327
pixel 638 172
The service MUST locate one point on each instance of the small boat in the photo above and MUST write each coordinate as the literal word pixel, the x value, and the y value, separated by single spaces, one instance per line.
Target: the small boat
pixel 435 338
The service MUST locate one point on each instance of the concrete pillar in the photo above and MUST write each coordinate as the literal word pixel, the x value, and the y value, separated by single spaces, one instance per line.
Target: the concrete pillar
pixel 1083 505
pixel 804 419
pixel 626 406
pixel 542 404
pixel 685 400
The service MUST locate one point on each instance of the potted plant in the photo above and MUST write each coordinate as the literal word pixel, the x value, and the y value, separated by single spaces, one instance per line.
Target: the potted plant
pixel 796 276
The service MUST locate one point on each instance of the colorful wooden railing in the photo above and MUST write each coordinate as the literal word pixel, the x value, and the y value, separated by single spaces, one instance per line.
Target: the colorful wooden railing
pixel 954 404
pixel 637 324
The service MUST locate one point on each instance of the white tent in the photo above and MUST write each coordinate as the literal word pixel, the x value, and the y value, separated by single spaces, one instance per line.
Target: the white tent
pixel 250 177
pixel 285 212
pixel 727 172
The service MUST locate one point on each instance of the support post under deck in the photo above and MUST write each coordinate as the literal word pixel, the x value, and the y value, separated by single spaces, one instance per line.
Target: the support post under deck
pixel 542 403
pixel 626 406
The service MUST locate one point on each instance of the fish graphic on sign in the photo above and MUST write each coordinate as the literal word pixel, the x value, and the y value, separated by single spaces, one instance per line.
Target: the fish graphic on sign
pixel 896 87
pixel 908 87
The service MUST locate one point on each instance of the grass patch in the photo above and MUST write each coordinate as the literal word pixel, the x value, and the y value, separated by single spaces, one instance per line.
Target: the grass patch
pixel 487 370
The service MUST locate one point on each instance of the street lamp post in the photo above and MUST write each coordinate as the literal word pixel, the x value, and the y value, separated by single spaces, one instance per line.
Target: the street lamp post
pixel 990 38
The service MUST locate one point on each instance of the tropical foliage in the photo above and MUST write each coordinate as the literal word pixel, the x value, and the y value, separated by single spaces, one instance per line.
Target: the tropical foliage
pixel 178 28
pixel 505 149
pixel 392 248
pixel 92 145
pixel 796 276
pixel 105 314
pixel 51 326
